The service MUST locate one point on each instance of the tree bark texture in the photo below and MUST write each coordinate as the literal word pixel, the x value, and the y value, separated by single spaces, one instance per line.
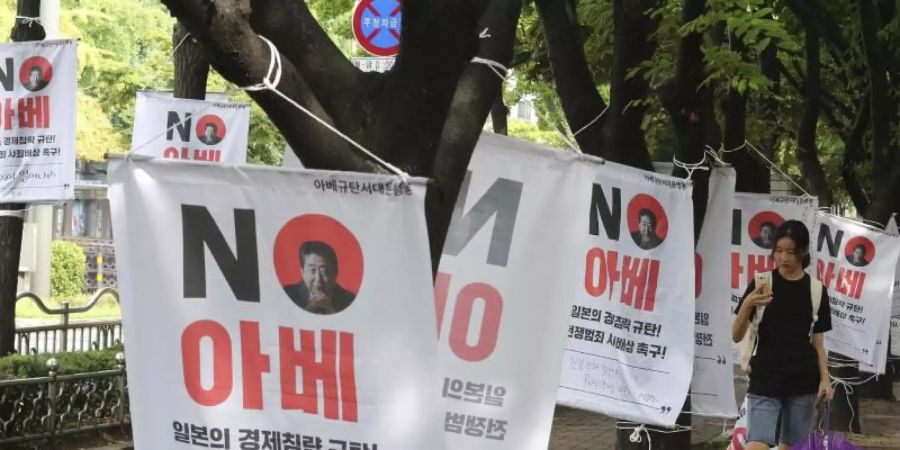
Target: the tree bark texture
pixel 11 226
pixel 191 65
pixel 624 137
pixel 807 151
pixel 581 102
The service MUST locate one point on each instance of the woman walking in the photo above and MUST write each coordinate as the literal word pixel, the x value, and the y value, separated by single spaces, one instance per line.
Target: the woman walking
pixel 789 365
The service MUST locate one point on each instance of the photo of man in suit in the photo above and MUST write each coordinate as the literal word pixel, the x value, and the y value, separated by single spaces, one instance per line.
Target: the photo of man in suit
pixel 210 134
pixel 645 236
pixel 766 234
pixel 319 292
pixel 35 81
pixel 858 257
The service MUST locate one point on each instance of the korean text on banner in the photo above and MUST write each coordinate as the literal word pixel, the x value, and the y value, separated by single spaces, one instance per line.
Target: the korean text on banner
pixel 37 121
pixel 880 350
pixel 857 264
pixel 754 221
pixel 501 308
pixel 241 281
pixel 194 130
pixel 630 350
pixel 712 387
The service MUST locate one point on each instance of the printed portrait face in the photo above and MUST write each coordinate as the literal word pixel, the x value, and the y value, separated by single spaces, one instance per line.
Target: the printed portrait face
pixel 647 222
pixel 859 251
pixel 761 228
pixel 35 73
pixel 319 263
pixel 210 129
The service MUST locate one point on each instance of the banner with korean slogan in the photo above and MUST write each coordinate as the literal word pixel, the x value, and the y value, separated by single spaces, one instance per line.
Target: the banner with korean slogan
pixel 754 220
pixel 274 308
pixel 712 386
pixel 502 307
pixel 880 351
pixel 37 121
pixel 630 350
pixel 857 264
pixel 194 130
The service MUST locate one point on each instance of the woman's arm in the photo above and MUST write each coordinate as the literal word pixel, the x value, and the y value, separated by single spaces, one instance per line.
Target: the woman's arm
pixel 759 297
pixel 825 389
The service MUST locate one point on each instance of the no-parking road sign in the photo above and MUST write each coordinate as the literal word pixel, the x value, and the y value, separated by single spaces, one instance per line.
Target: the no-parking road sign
pixel 376 26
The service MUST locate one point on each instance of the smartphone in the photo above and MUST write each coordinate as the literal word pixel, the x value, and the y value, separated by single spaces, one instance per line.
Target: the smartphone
pixel 761 280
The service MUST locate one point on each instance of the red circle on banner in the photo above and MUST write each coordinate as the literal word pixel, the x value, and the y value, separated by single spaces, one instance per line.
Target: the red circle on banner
pixel 217 126
pixel 324 229
pixel 768 220
pixel 366 42
pixel 863 256
pixel 645 205
pixel 41 67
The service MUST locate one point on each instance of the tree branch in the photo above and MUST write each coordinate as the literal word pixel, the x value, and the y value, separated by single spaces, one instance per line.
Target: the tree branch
pixel 338 85
pixel 575 87
pixel 191 65
pixel 807 151
pixel 853 155
pixel 239 55
pixel 878 87
pixel 478 87
pixel 624 136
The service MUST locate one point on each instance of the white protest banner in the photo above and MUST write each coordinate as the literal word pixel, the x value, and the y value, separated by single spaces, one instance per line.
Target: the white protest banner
pixel 630 351
pixel 754 221
pixel 857 264
pixel 891 228
pixel 216 97
pixel 712 386
pixel 501 294
pixel 37 121
pixel 196 130
pixel 273 303
pixel 880 350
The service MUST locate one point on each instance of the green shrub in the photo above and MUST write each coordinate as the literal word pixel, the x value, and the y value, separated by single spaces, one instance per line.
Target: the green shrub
pixel 34 366
pixel 66 269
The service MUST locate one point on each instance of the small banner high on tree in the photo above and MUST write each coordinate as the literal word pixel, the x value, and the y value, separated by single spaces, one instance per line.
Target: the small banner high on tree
pixel 193 130
pixel 37 120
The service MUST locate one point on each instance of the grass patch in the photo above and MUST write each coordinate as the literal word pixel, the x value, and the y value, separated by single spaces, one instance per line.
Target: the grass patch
pixel 106 308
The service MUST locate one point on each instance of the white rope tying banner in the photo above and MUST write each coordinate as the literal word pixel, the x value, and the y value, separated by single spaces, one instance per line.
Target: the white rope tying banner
pixel 270 83
pixel 690 168
pixel 637 429
pixel 175 49
pixel 16 213
pixel 495 67
pixel 30 20
pixel 176 124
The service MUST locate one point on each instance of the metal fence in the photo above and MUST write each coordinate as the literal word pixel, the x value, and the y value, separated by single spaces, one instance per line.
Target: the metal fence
pixel 66 336
pixel 46 408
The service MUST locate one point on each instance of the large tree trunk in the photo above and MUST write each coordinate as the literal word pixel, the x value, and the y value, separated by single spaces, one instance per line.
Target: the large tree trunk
pixel 632 45
pixel 191 65
pixel 575 86
pixel 807 151
pixel 12 215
